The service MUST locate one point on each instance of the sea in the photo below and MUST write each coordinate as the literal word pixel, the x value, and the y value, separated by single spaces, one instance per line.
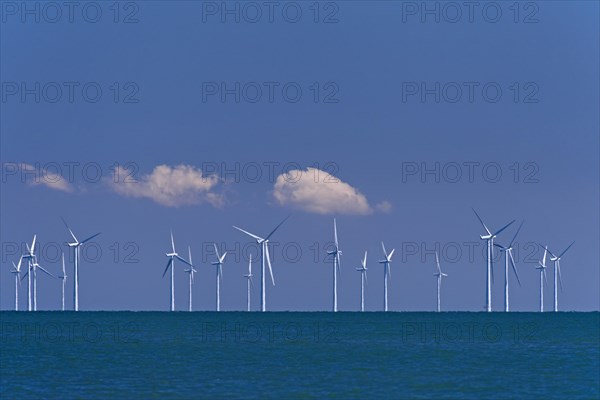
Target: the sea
pixel 289 355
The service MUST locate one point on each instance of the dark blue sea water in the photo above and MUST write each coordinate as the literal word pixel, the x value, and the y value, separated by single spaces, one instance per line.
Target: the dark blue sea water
pixel 145 355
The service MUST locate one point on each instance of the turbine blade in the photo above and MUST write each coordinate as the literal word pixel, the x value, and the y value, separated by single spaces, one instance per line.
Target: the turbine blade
pixel 516 233
pixel 545 252
pixel 364 261
pixel 90 238
pixel 44 270
pixel 504 227
pixel 337 265
pixel 277 227
pixel 384 252
pixel 514 267
pixel 561 254
pixel 217 251
pixel 546 247
pixel 366 279
pixel 391 254
pixel 183 260
pixel 269 264
pixel 70 231
pixel 63 264
pixel 32 250
pixel 251 282
pixel 190 254
pixel 480 220
pixel 172 241
pixel 168 265
pixel 24 276
pixel 437 260
pixel 248 233
pixel 545 278
pixel 335 233
pixel 19 264
pixel 222 259
pixel 220 272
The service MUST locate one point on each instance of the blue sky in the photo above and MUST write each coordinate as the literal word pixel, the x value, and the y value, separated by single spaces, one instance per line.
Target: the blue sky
pixel 369 127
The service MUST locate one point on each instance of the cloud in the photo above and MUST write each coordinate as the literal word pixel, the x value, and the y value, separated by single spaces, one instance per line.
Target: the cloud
pixel 46 177
pixel 317 191
pixel 171 186
pixel 385 207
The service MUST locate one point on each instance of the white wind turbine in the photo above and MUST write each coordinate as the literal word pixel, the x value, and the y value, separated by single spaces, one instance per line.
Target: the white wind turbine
pixel 172 256
pixel 33 269
pixel 191 271
pixel 542 267
pixel 556 260
pixel 250 281
pixel 219 264
pixel 363 279
pixel 335 253
pixel 17 272
pixel 508 255
pixel 76 244
pixel 439 275
pixel 387 274
pixel 264 258
pixel 489 238
pixel 63 277
pixel 30 257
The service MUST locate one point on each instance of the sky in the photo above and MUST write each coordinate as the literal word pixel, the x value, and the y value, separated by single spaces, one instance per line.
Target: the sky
pixel 395 118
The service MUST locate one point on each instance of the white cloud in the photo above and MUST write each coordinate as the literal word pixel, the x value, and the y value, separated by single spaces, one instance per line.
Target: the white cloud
pixel 46 177
pixel 171 186
pixel 385 206
pixel 317 191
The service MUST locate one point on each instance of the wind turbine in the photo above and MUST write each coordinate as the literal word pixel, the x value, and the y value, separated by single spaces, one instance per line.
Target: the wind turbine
pixel 439 275
pixel 33 269
pixel 387 274
pixel 250 281
pixel 17 272
pixel 63 277
pixel 335 253
pixel 508 254
pixel 172 256
pixel 219 263
pixel 489 238
pixel 29 256
pixel 76 244
pixel 556 260
pixel 264 256
pixel 191 271
pixel 363 278
pixel 542 267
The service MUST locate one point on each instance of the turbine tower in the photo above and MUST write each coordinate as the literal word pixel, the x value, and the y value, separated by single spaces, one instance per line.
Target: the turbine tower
pixel 264 258
pixel 556 260
pixel 250 281
pixel 172 256
pixel 439 275
pixel 17 272
pixel 363 278
pixel 489 238
pixel 508 255
pixel 335 253
pixel 63 277
pixel 191 271
pixel 33 269
pixel 76 244
pixel 387 274
pixel 219 263
pixel 30 257
pixel 542 267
